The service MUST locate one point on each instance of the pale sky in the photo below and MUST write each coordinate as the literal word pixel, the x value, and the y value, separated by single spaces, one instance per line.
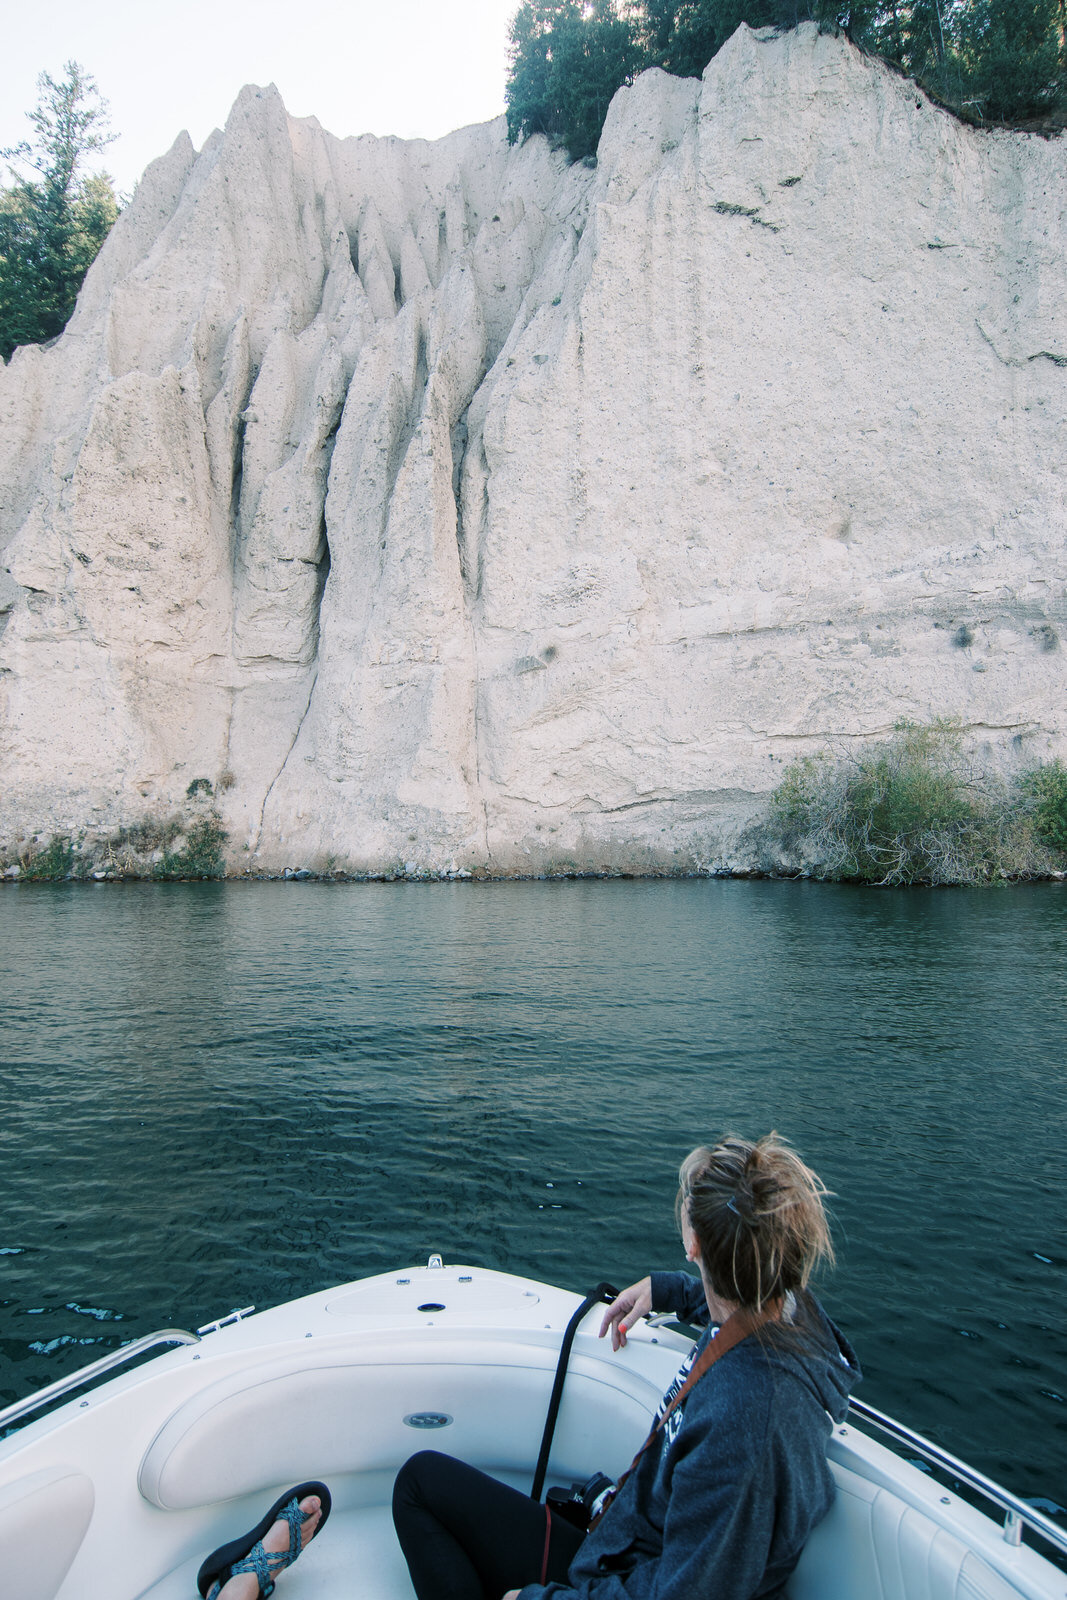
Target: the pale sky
pixel 418 68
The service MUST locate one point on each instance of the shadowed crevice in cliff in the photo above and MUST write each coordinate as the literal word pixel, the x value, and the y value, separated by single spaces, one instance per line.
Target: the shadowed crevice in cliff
pixel 323 561
pixel 460 441
pixel 410 420
pixel 237 480
pixel 322 574
pixel 471 479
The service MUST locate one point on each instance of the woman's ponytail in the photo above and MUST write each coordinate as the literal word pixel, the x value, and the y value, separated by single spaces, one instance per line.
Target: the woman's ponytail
pixel 758 1215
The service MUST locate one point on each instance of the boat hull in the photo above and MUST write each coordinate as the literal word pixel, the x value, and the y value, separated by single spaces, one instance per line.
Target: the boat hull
pixel 119 1493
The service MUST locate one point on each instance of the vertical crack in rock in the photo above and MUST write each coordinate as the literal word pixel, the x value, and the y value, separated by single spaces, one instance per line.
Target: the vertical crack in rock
pixel 477 740
pixel 460 440
pixel 257 837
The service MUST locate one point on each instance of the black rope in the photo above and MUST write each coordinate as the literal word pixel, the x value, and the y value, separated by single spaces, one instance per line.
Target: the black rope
pixel 603 1294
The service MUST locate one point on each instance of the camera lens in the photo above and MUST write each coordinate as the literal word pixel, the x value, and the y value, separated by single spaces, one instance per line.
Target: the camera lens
pixel 597 1492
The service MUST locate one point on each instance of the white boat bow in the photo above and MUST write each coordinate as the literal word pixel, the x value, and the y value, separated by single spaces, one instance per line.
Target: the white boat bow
pixel 119 1492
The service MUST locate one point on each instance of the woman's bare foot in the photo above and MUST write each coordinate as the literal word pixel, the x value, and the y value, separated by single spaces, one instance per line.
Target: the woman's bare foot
pixel 245 1586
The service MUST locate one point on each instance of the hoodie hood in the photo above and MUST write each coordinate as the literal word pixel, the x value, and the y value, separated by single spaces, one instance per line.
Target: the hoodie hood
pixel 813 1350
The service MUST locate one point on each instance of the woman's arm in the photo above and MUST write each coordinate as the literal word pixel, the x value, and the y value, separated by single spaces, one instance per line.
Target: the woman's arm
pixel 624 1311
pixel 681 1293
pixel 660 1291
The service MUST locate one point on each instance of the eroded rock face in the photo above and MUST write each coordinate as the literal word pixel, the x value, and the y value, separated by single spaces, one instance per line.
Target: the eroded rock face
pixel 447 506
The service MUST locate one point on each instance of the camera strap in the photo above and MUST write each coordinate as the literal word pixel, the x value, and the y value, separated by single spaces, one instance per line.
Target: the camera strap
pixel 603 1294
pixel 737 1326
pixel 548 1540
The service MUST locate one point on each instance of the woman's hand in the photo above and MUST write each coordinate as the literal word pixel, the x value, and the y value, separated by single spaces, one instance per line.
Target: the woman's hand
pixel 623 1312
pixel 512 1594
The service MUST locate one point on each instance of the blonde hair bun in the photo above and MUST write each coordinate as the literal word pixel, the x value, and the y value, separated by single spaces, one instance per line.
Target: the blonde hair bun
pixel 758 1214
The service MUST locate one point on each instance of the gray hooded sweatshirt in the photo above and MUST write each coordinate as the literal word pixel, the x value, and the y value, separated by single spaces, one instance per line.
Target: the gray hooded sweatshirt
pixel 721 1506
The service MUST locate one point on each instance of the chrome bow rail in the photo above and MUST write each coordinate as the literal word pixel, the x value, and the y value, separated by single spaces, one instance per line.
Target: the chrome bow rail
pixel 1016 1511
pixel 89 1374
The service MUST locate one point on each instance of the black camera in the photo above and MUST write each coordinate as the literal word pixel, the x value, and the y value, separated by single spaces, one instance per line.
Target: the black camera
pixel 581 1503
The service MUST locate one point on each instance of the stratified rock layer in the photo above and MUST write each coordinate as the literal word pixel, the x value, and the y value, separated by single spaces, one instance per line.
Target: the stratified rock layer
pixel 447 507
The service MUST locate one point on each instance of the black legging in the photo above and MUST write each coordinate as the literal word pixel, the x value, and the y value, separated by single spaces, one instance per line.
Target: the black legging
pixel 466 1536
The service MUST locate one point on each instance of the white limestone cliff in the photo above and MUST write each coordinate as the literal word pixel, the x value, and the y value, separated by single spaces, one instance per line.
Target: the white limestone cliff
pixel 448 507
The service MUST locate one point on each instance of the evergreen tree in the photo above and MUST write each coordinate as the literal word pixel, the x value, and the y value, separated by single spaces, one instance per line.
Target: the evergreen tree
pixel 700 28
pixel 1011 57
pixel 925 50
pixel 567 60
pixel 53 224
pixel 987 60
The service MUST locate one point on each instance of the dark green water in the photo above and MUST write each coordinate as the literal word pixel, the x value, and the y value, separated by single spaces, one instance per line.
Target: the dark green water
pixel 223 1094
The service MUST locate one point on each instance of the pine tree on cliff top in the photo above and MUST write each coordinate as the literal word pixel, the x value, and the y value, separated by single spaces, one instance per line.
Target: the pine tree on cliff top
pixel 997 61
pixel 53 224
pixel 567 60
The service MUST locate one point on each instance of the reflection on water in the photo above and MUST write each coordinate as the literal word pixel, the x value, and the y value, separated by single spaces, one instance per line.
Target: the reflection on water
pixel 223 1094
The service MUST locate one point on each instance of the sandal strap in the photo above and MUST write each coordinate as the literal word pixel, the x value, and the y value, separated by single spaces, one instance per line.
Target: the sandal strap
pixel 296 1519
pixel 263 1564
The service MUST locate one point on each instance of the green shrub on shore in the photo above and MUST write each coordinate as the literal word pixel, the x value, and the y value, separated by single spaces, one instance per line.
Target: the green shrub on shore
pixel 199 854
pixel 911 810
pixel 1046 790
pixel 188 843
pixel 50 864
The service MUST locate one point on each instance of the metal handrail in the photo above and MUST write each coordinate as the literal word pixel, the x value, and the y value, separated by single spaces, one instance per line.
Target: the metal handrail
pixel 1016 1511
pixel 96 1369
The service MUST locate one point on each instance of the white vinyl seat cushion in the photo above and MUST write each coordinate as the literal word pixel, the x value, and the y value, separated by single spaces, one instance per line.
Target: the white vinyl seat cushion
pixel 871 1546
pixel 285 1422
pixel 43 1520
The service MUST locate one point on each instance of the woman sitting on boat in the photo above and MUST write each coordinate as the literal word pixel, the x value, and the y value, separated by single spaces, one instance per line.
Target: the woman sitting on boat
pixel 722 1496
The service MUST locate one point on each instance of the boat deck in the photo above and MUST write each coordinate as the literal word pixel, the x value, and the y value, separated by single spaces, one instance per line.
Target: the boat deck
pixel 357 1552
